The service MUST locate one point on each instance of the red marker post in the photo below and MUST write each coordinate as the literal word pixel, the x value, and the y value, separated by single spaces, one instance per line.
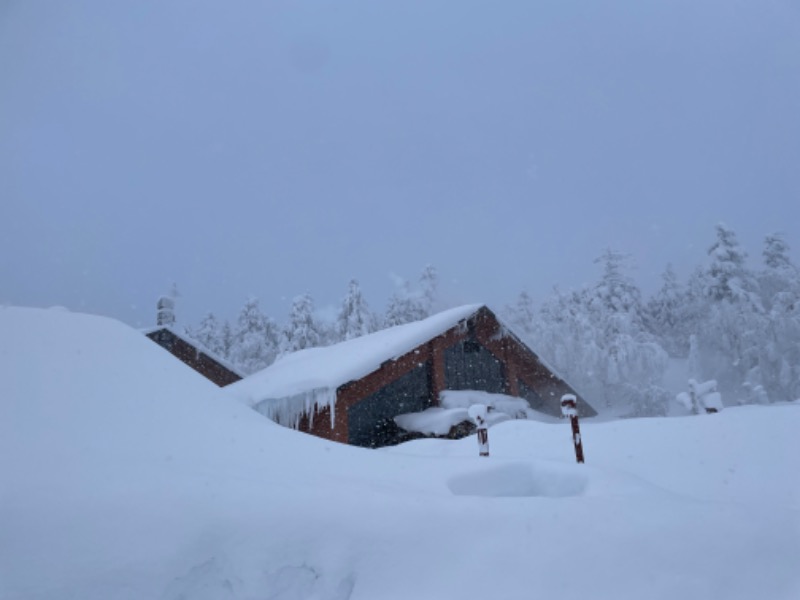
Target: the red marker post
pixel 477 412
pixel 569 408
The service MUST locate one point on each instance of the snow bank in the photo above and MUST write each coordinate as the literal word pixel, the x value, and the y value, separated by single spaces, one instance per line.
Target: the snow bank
pixel 520 479
pixel 455 407
pixel 127 475
pixel 432 421
pixel 501 405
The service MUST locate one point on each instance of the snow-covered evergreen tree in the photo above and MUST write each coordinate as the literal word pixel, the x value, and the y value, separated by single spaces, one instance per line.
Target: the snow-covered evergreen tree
pixel 665 314
pixel 429 287
pixel 209 334
pixel 732 329
pixel 728 277
pixel 226 341
pixel 779 359
pixel 596 338
pixel 405 306
pixel 522 315
pixel 255 339
pixel 565 336
pixel 302 331
pixel 616 292
pixel 355 318
pixel 634 363
pixel 780 279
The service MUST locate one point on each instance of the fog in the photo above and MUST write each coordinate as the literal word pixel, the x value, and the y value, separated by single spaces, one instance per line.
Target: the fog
pixel 272 148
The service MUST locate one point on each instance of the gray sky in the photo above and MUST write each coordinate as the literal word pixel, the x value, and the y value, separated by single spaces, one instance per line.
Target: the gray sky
pixel 270 148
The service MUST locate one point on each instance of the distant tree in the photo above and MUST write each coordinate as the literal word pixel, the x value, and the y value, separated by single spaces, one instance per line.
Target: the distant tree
pixel 226 341
pixel 209 334
pixel 596 338
pixel 665 315
pixel 693 360
pixel 732 327
pixel 565 336
pixel 728 278
pixel 634 361
pixel 780 279
pixel 779 357
pixel 302 331
pixel 355 318
pixel 405 306
pixel 522 315
pixel 429 286
pixel 255 339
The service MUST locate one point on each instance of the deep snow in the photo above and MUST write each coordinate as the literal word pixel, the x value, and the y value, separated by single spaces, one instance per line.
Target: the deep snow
pixel 127 475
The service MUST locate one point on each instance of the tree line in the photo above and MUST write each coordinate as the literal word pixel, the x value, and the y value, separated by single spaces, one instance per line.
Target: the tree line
pixel 728 321
pixel 255 340
pixel 731 322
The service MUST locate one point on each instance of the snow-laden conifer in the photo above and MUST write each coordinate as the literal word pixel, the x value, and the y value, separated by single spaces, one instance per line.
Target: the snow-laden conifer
pixel 255 339
pixel 597 340
pixel 522 315
pixel 665 314
pixel 302 330
pixel 429 288
pixel 734 322
pixel 208 334
pixel 405 306
pixel 355 318
pixel 779 360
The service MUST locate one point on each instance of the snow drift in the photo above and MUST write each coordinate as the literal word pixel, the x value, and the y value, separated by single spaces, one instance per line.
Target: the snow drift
pixel 126 475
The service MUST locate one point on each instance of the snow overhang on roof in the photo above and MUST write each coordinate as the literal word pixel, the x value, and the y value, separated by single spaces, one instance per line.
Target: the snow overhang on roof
pixel 320 371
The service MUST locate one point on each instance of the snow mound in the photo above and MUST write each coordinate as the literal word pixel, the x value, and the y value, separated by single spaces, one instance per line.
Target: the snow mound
pixel 520 479
pixel 125 474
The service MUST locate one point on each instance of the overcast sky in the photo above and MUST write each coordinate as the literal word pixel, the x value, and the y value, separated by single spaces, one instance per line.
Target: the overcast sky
pixel 270 148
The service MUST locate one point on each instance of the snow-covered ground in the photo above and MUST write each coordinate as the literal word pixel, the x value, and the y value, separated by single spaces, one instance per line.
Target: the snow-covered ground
pixel 127 475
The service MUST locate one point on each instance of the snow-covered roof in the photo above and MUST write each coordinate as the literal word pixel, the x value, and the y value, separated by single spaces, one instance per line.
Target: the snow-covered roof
pixel 319 371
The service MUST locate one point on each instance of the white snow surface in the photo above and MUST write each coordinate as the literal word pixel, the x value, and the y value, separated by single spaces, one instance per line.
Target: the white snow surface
pixel 432 421
pixel 456 406
pixel 127 475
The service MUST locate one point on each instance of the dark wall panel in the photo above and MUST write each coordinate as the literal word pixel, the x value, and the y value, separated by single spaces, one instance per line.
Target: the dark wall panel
pixel 470 366
pixel 370 423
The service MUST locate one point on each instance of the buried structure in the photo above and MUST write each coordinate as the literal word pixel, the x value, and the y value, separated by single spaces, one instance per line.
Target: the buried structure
pixel 188 351
pixel 351 392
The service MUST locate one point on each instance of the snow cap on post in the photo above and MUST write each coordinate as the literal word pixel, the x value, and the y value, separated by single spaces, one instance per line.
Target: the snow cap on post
pixel 569 405
pixel 477 412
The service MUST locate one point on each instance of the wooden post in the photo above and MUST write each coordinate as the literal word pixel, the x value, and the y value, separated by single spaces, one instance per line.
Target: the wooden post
pixel 569 408
pixel 483 441
pixel 477 413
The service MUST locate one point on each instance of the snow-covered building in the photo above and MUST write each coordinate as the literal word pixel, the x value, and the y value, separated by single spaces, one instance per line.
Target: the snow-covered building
pixel 351 392
pixel 194 355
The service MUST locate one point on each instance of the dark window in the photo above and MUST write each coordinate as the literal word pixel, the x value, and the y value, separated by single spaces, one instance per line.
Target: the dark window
pixel 371 423
pixel 471 347
pixel 470 366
